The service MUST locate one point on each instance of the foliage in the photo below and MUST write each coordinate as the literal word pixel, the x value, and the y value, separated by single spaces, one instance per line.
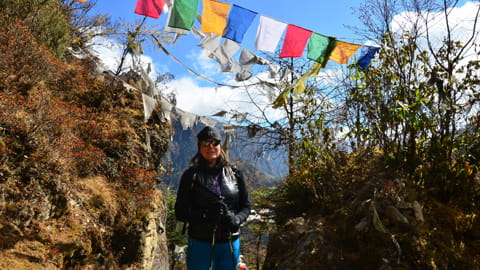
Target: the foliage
pixel 407 109
pixel 258 228
pixel 46 20
pixel 175 235
pixel 340 230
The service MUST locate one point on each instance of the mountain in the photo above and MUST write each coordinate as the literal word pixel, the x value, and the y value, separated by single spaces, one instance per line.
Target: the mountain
pixel 261 167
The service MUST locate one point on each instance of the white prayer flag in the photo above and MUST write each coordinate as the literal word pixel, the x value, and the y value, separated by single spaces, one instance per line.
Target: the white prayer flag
pixel 149 104
pixel 269 33
pixel 210 42
pixel 223 55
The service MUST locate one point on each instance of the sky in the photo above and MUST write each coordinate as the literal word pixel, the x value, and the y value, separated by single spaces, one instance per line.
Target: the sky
pixel 325 17
pixel 203 98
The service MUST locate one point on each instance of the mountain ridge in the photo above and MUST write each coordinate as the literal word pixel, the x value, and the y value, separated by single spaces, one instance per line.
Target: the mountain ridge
pixel 268 171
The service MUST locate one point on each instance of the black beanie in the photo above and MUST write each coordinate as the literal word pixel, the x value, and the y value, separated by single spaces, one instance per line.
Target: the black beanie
pixel 208 133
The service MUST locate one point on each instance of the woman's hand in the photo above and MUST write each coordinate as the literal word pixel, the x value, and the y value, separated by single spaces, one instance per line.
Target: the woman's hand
pixel 231 221
pixel 216 211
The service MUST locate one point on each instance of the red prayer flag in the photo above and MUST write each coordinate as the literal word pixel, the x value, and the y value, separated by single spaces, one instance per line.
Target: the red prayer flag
pixel 150 8
pixel 295 41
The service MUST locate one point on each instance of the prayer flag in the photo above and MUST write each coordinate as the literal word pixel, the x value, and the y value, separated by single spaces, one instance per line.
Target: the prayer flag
pixel 196 33
pixel 223 55
pixel 295 41
pixel 210 42
pixel 269 33
pixel 81 0
pixel 150 8
pixel 183 14
pixel 366 55
pixel 343 51
pixel 214 17
pixel 239 20
pixel 298 86
pixel 311 72
pixel 247 60
pixel 320 47
pixel 149 104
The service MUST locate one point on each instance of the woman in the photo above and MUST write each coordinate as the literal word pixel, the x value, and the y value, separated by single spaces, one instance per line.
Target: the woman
pixel 212 197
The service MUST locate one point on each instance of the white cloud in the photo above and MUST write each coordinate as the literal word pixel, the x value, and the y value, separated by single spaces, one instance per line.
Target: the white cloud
pixel 460 20
pixel 109 52
pixel 206 101
pixel 202 101
pixel 201 62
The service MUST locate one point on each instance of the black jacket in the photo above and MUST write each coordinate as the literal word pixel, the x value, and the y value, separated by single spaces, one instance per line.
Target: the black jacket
pixel 197 193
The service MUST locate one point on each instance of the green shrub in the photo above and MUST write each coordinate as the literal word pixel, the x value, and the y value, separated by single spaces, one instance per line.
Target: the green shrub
pixel 47 20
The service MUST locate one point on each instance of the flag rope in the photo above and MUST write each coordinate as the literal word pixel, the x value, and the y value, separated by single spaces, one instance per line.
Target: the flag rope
pixel 198 74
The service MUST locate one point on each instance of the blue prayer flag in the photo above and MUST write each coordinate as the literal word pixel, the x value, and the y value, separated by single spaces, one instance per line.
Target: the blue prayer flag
pixel 366 55
pixel 238 22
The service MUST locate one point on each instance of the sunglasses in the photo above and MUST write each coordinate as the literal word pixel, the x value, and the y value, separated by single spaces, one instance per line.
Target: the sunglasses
pixel 209 142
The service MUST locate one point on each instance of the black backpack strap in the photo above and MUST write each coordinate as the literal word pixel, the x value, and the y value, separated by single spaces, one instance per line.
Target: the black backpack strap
pixel 236 172
pixel 184 228
pixel 191 188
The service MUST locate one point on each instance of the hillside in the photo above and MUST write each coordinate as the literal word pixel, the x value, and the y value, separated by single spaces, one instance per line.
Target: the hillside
pixel 79 166
pixel 76 173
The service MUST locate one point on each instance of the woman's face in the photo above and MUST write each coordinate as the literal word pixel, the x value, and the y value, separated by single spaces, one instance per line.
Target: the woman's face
pixel 210 150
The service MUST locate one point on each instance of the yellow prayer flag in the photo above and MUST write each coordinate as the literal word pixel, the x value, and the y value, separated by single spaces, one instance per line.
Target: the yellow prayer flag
pixel 343 51
pixel 81 0
pixel 298 87
pixel 214 17
pixel 311 72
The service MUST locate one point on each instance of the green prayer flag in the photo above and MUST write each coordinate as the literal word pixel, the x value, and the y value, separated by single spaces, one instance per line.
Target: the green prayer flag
pixel 320 47
pixel 183 14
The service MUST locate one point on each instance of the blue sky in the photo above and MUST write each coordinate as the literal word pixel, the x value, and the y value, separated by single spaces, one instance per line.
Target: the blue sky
pixel 325 17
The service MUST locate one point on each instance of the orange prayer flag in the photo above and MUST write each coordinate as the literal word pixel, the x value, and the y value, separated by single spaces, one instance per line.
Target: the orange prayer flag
pixel 343 51
pixel 214 17
pixel 81 0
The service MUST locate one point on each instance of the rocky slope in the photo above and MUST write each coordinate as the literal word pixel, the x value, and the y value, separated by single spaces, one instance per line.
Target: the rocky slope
pixel 77 164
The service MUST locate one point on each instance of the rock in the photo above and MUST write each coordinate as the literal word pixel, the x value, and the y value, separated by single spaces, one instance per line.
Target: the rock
pixel 418 209
pixel 363 225
pixel 476 228
pixel 395 216
pixel 153 239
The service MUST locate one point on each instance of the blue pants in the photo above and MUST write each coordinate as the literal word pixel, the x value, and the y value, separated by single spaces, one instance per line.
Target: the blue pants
pixel 198 255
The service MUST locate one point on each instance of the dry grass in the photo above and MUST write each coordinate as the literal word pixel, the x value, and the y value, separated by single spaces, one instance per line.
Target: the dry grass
pixel 26 255
pixel 98 196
